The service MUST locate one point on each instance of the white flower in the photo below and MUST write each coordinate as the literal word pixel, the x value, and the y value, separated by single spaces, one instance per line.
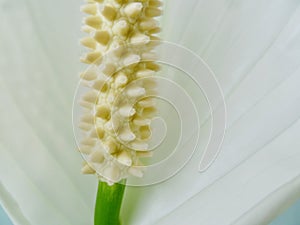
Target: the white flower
pixel 253 48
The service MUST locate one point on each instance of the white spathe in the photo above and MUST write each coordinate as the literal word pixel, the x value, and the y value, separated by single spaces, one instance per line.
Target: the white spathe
pixel 253 47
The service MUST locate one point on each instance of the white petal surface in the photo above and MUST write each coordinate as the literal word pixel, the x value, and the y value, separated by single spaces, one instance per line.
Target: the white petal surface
pixel 254 51
pixel 261 184
pixel 39 165
pixel 251 45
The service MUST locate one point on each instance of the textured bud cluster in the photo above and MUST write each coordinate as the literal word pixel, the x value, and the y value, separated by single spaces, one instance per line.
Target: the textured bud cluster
pixel 118 107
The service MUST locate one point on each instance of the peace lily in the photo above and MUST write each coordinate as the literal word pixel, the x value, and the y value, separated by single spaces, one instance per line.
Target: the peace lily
pixel 252 46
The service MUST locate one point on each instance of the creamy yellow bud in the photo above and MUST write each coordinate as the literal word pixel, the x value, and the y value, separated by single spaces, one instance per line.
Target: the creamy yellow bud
pixel 145 73
pixel 124 158
pixel 135 91
pixel 85 150
pixel 90 74
pixel 92 57
pixel 88 42
pixel 139 121
pixel 100 132
pixel 100 85
pixel 155 3
pixel 87 169
pixel 89 9
pixel 102 37
pixel 149 56
pixel 153 12
pixel 148 24
pixel 126 135
pixel 87 29
pixel 133 9
pixel 88 141
pixel 86 105
pixel 149 112
pixel 94 21
pixel 119 1
pixel 121 79
pixel 149 83
pixel 109 12
pixel 139 38
pixel 88 118
pixel 146 103
pixel 117 112
pixel 111 146
pixel 131 59
pixel 90 96
pixel 103 112
pixel 109 69
pixel 152 66
pixel 145 132
pixel 121 28
pixel 112 173
pixel 85 126
pixel 97 157
pixel 135 172
pixel 154 31
pixel 139 145
pixel 127 111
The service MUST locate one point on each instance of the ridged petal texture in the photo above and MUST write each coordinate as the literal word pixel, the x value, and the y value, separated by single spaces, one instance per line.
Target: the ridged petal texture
pixel 119 78
pixel 253 48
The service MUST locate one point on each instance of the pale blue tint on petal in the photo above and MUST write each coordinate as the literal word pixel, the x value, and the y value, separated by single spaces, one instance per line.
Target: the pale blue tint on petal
pixel 289 217
pixel 4 220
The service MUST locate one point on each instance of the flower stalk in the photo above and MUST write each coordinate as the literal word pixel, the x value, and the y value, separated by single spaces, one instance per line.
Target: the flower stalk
pixel 108 203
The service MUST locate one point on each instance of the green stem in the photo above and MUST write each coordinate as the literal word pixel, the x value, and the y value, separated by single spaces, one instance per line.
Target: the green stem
pixel 108 204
